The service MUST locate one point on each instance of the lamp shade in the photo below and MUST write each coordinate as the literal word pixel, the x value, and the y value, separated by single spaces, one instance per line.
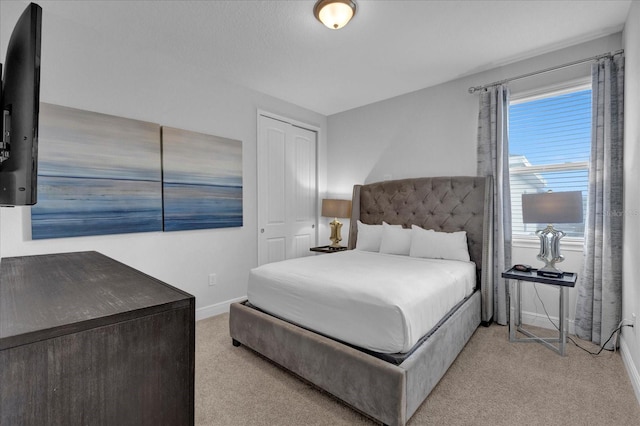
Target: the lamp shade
pixel 334 14
pixel 336 208
pixel 552 207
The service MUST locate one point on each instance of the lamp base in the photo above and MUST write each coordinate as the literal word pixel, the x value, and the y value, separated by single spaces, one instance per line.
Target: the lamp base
pixel 336 234
pixel 550 252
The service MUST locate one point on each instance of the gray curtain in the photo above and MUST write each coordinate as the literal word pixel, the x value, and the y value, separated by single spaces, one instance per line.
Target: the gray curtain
pixel 599 301
pixel 493 160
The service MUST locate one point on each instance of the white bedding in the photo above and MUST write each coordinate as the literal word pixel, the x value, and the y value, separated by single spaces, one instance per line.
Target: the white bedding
pixel 381 302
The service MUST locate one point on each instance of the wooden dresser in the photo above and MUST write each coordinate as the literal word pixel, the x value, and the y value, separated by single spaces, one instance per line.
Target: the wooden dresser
pixel 87 340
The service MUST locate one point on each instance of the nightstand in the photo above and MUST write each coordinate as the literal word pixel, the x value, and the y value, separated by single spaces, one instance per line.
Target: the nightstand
pixel 327 249
pixel 515 312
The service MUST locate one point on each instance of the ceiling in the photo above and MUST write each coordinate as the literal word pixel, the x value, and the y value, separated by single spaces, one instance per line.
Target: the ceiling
pixel 389 48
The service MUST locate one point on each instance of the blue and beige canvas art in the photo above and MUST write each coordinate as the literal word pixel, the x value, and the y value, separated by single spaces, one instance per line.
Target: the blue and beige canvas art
pixel 97 174
pixel 202 180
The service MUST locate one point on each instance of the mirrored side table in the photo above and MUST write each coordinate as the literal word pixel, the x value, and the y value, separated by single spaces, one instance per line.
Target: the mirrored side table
pixel 563 284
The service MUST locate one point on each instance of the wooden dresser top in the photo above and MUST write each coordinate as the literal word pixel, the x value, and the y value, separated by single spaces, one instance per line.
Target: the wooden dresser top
pixel 50 295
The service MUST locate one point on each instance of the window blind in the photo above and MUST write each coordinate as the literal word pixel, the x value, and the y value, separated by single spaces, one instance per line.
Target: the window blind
pixel 549 149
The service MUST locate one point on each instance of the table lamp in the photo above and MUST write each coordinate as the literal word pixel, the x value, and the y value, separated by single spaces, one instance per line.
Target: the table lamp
pixel 551 207
pixel 335 209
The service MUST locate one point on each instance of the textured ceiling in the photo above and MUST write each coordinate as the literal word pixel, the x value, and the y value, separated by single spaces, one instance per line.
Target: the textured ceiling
pixel 389 48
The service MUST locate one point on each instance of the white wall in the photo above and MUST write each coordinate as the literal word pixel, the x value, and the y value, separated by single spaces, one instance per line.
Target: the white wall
pixel 631 248
pixel 432 132
pixel 83 69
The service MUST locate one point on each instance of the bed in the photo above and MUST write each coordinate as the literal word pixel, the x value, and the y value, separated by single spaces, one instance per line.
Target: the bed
pixel 387 384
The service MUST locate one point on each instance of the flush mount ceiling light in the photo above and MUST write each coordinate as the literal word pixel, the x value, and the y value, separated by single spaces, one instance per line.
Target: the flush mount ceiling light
pixel 334 14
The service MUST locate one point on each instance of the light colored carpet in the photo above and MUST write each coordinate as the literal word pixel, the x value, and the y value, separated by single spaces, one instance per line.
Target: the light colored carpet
pixel 492 382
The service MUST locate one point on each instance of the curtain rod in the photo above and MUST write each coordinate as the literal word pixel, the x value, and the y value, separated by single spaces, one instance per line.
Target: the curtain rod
pixel 558 67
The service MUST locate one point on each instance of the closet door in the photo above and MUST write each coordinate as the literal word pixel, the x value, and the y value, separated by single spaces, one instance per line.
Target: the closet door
pixel 287 193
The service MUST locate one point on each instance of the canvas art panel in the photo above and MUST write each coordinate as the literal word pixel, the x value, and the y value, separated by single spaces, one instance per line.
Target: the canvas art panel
pixel 97 174
pixel 202 180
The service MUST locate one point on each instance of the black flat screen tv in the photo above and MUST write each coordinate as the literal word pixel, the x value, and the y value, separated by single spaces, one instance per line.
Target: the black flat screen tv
pixel 20 102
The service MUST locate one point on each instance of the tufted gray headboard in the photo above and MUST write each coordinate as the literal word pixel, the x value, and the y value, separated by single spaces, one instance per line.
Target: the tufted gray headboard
pixel 448 204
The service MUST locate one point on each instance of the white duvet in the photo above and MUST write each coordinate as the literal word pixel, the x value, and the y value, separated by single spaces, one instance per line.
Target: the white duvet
pixel 384 303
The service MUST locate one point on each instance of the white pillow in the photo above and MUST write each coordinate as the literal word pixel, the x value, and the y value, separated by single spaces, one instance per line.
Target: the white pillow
pixel 439 245
pixel 370 236
pixel 395 240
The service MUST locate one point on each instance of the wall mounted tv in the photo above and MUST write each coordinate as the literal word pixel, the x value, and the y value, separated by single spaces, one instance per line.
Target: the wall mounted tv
pixel 20 101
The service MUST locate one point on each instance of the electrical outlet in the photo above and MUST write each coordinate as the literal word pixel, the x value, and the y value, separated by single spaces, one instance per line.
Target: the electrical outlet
pixel 213 279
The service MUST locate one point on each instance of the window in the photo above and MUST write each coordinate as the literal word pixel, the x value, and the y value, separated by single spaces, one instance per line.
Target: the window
pixel 549 148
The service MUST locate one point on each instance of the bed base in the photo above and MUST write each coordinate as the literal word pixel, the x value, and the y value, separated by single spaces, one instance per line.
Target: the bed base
pixel 388 393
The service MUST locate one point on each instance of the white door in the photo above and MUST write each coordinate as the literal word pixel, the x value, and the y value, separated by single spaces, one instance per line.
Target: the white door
pixel 286 190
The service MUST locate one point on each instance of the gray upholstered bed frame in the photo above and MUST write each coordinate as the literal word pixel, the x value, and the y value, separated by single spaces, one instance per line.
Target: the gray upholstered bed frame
pixel 386 392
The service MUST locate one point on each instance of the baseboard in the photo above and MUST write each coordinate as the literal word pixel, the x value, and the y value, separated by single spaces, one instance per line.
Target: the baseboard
pixel 216 309
pixel 634 376
pixel 541 320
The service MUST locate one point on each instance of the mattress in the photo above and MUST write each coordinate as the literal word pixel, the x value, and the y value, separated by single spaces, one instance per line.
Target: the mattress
pixel 379 302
